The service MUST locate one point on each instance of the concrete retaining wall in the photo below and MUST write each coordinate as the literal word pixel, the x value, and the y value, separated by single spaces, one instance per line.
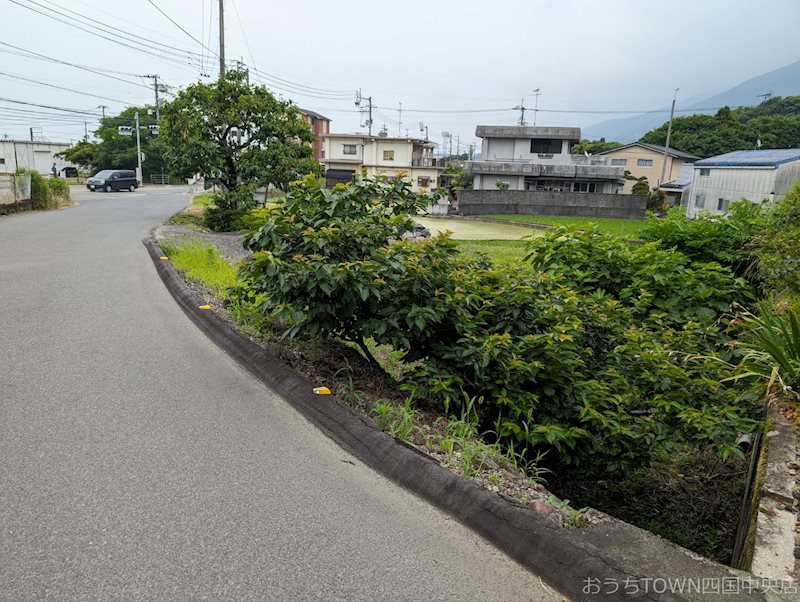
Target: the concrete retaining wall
pixel 532 202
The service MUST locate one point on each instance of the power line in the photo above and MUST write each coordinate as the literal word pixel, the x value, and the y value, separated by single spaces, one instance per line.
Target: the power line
pixel 33 104
pixel 33 81
pixel 157 54
pixel 42 57
pixel 176 24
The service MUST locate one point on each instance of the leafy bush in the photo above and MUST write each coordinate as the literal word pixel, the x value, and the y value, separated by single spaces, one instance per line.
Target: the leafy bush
pixel 40 191
pixel 597 350
pixel 724 239
pixel 777 247
pixel 59 189
pixel 229 210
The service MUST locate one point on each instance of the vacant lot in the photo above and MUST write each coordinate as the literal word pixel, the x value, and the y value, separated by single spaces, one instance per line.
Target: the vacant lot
pixel 626 228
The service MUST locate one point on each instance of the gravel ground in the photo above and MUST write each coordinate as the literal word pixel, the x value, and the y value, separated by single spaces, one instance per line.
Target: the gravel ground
pixel 229 244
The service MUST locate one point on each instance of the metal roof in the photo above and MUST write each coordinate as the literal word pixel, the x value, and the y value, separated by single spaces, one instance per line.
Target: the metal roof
pixel 684 178
pixel 753 158
pixel 655 148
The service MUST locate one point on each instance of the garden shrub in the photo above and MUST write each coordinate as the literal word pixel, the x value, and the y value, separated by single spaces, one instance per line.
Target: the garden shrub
pixel 229 210
pixel 40 191
pixel 59 190
pixel 602 352
pixel 778 247
pixel 724 239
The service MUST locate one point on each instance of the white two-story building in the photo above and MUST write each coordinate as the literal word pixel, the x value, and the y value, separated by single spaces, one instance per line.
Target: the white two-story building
pixel 540 158
pixel 344 155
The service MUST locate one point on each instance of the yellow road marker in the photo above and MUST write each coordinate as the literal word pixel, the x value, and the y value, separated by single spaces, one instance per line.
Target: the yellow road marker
pixel 322 390
pixel 205 307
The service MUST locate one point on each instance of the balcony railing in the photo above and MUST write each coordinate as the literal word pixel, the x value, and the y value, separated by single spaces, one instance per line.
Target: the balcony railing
pixel 555 159
pixel 427 162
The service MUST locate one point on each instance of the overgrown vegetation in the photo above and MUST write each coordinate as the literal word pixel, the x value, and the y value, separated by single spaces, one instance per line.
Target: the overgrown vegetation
pixel 47 193
pixel 582 354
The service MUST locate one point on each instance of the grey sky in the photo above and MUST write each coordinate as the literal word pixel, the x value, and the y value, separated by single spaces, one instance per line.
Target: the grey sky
pixel 437 57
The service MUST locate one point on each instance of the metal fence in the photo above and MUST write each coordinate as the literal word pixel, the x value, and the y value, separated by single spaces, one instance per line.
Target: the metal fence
pixel 15 188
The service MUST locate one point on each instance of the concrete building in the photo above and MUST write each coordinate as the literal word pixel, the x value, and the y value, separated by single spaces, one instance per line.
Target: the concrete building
pixel 754 175
pixel 320 126
pixel 28 154
pixel 647 160
pixel 540 159
pixel 411 158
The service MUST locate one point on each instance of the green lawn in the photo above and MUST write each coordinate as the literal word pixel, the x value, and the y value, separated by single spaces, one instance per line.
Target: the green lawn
pixel 202 263
pixel 192 216
pixel 463 229
pixel 499 251
pixel 626 228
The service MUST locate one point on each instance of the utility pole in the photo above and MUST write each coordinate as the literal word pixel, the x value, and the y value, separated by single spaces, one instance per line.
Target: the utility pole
pixel 31 129
pixel 85 131
pixel 458 145
pixel 359 98
pixel 537 92
pixel 155 88
pixel 521 108
pixel 103 108
pixel 399 117
pixel 669 134
pixel 221 39
pixel 139 149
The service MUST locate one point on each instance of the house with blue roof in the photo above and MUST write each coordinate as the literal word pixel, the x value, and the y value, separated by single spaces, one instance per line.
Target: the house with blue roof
pixel 755 175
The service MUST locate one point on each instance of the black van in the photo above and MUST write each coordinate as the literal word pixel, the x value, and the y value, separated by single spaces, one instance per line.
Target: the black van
pixel 111 179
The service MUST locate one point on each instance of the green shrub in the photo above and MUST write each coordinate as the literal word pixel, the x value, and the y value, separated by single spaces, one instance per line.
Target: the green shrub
pixel 41 197
pixel 778 247
pixel 724 239
pixel 229 210
pixel 599 351
pixel 59 189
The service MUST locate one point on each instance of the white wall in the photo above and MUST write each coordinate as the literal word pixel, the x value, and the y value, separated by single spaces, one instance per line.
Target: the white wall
pixel 732 184
pixel 38 156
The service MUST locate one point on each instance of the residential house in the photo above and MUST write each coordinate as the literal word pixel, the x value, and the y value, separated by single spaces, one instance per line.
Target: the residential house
pixel 540 159
pixel 754 175
pixel 411 158
pixel 320 126
pixel 676 188
pixel 647 160
pixel 33 155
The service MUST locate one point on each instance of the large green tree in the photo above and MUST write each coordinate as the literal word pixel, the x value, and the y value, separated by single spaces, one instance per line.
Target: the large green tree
pixel 236 135
pixel 774 123
pixel 117 151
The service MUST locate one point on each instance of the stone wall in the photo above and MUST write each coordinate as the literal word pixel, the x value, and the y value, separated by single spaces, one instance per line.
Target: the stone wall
pixel 532 202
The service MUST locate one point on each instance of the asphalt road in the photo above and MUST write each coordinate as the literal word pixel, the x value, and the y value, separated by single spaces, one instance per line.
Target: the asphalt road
pixel 137 461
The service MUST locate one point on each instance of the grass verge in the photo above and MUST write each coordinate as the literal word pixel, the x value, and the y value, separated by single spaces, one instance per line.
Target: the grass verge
pixel 499 251
pixel 626 228
pixel 192 215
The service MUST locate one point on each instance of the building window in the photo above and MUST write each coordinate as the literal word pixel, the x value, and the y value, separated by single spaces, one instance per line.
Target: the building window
pixel 349 149
pixel 722 204
pixel 322 154
pixel 546 146
pixel 705 171
pixel 581 187
pixel 644 163
pixel 388 155
pixel 619 162
pixel 423 181
pixel 2 161
pixel 700 201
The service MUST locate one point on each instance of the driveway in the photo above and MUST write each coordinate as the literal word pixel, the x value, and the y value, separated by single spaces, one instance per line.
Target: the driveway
pixel 138 461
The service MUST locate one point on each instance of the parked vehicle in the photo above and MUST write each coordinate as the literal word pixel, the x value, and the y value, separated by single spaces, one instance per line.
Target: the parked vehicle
pixel 111 179
pixel 69 172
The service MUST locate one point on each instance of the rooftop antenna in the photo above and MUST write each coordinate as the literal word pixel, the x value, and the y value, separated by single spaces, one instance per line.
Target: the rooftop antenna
pixel 537 93
pixel 521 108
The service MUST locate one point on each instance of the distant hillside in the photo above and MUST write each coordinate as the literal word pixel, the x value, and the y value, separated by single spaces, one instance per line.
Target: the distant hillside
pixel 772 124
pixel 781 82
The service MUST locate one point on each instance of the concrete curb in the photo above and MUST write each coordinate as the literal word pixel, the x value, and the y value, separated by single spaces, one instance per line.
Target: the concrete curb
pixel 567 559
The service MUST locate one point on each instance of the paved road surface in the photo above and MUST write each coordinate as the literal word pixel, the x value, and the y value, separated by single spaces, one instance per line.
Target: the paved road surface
pixel 137 461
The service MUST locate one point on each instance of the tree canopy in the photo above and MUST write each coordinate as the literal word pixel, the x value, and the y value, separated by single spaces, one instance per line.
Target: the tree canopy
pixel 235 134
pixel 117 151
pixel 775 123
pixel 595 146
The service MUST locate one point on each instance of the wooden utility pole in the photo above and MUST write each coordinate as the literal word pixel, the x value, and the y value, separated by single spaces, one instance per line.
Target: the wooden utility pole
pixel 221 39
pixel 669 134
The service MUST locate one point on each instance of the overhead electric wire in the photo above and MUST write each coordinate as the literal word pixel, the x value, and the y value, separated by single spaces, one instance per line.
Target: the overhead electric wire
pixel 40 83
pixel 33 104
pixel 96 70
pixel 176 24
pixel 164 57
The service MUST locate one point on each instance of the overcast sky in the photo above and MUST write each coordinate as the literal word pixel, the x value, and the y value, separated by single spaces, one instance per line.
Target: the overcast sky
pixel 440 58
